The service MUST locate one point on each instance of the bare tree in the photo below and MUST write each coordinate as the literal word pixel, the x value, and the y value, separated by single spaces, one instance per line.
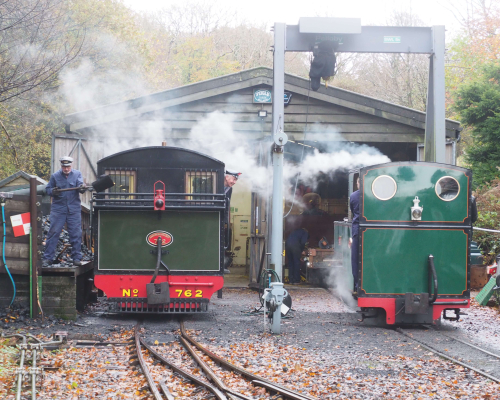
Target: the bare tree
pixel 37 39
pixel 397 78
pixel 476 16
pixel 206 41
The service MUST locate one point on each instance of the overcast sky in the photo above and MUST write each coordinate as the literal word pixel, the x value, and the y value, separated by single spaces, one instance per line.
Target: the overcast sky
pixel 371 12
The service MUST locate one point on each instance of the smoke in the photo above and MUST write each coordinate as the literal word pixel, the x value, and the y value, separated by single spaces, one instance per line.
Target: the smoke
pixel 328 163
pixel 340 284
pixel 83 88
pixel 214 135
pixel 338 155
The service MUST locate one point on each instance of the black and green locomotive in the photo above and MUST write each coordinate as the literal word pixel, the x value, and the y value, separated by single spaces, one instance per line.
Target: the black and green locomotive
pixel 415 231
pixel 159 232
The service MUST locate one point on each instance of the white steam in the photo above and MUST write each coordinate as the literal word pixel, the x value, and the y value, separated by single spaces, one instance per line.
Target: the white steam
pixel 339 283
pixel 328 163
pixel 214 135
pixel 84 89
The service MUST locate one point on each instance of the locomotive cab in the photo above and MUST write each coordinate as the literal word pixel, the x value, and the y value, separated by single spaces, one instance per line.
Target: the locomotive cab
pixel 159 232
pixel 415 232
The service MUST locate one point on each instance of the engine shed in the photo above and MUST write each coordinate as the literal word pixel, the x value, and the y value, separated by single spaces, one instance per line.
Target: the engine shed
pixel 312 121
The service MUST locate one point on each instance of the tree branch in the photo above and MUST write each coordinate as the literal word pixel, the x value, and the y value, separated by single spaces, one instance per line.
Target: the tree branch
pixel 12 145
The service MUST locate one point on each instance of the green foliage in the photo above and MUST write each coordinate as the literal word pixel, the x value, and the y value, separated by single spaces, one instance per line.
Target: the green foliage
pixel 478 104
pixel 26 129
pixel 488 205
pixel 464 66
pixel 196 61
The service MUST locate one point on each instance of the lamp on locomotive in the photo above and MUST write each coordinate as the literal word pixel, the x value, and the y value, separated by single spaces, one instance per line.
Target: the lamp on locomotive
pixel 159 199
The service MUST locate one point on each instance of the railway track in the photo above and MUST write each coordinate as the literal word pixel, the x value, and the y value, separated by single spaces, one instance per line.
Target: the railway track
pixel 31 347
pixel 475 358
pixel 207 380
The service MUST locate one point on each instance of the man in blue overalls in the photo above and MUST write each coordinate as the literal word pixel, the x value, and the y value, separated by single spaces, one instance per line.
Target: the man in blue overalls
pixel 354 204
pixel 65 209
pixel 294 246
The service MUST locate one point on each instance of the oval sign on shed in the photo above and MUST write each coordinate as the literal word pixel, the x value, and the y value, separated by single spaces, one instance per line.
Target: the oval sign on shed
pixel 262 96
pixel 153 237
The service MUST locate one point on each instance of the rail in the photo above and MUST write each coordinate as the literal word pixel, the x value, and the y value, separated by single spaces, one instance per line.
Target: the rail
pixel 217 387
pixel 35 349
pixel 183 372
pixel 452 359
pixel 288 393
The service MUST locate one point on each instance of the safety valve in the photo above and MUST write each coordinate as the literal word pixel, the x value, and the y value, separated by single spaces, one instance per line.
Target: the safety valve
pixel 416 210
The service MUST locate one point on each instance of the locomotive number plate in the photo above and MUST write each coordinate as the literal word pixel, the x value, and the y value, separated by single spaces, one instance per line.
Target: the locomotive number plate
pixel 189 293
pixel 126 292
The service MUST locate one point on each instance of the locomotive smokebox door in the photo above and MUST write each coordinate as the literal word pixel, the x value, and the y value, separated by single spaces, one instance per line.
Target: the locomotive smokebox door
pixel 158 293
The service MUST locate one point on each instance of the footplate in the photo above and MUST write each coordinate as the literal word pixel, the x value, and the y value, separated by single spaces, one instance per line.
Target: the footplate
pixel 158 293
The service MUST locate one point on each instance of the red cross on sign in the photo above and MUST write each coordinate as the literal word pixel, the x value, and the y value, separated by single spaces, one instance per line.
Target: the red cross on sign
pixel 20 224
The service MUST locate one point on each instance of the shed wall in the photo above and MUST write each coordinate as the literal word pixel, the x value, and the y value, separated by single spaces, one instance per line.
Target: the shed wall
pixel 324 121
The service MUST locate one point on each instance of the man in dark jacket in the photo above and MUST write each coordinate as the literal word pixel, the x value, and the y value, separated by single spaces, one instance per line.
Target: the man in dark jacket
pixel 354 204
pixel 230 180
pixel 294 246
pixel 65 209
pixel 473 209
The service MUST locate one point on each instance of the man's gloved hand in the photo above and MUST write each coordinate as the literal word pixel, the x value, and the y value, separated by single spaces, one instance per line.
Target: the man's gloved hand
pixel 56 192
pixel 82 189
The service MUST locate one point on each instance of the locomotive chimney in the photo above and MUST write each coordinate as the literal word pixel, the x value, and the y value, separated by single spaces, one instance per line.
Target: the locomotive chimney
pixel 164 143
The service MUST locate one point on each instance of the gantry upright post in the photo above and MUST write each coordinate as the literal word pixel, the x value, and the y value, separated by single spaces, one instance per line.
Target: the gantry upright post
pixel 279 140
pixel 435 119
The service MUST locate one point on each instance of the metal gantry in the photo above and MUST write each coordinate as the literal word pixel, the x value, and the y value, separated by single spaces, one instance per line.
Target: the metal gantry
pixel 350 36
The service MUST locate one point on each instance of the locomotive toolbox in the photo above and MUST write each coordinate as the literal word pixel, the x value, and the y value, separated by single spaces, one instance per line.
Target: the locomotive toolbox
pixel 415 232
pixel 159 232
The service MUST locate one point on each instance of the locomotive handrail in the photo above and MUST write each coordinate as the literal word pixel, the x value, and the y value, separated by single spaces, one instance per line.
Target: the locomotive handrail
pixel 197 201
pixel 152 194
pixel 485 230
pixel 432 270
pixel 171 200
pixel 187 207
pixel 422 225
